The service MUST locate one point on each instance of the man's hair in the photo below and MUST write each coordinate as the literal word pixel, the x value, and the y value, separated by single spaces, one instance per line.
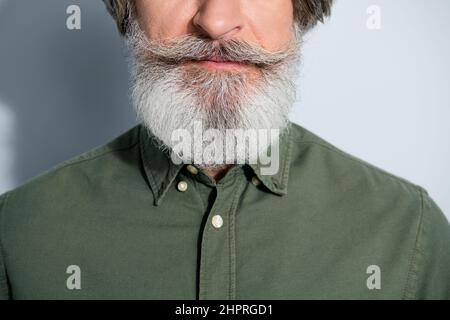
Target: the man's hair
pixel 306 12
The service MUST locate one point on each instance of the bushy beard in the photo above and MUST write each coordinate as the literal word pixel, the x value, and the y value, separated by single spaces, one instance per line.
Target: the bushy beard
pixel 170 94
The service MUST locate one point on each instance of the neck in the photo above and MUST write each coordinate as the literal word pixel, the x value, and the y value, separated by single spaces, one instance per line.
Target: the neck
pixel 217 173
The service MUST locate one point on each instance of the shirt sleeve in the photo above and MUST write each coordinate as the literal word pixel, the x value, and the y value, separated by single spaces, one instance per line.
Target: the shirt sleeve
pixel 429 274
pixel 4 287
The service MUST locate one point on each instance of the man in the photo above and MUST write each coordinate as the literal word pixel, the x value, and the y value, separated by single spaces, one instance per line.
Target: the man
pixel 216 195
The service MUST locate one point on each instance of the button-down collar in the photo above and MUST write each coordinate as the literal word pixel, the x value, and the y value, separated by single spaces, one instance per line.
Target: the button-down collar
pixel 161 172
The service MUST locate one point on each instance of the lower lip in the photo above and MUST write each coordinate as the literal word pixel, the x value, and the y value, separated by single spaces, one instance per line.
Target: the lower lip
pixel 225 65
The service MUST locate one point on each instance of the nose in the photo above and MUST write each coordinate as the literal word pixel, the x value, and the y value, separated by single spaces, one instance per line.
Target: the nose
pixel 219 19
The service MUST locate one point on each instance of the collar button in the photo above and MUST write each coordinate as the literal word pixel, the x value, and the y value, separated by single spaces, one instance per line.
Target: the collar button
pixel 182 186
pixel 256 182
pixel 193 170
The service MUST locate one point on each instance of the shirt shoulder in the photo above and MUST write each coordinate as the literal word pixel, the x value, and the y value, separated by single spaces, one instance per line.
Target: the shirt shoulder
pixel 330 159
pixel 390 208
pixel 70 179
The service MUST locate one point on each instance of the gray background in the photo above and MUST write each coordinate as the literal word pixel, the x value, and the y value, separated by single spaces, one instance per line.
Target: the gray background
pixel 381 95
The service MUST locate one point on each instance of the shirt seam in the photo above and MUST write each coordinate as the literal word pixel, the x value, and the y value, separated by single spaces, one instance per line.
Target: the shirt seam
pixel 410 288
pixel 363 163
pixel 232 241
pixel 2 250
pixel 75 162
pixel 287 162
pixel 2 211
pixel 144 156
pixel 159 187
pixel 98 152
pixel 196 193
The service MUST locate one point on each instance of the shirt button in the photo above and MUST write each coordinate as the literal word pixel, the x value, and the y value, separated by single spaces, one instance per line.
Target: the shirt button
pixel 256 182
pixel 217 221
pixel 192 169
pixel 182 186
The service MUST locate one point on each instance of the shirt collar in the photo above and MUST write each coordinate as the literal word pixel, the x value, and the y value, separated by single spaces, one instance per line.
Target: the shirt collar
pixel 278 182
pixel 161 172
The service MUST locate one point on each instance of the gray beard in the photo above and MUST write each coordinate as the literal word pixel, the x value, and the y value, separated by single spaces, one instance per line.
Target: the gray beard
pixel 166 100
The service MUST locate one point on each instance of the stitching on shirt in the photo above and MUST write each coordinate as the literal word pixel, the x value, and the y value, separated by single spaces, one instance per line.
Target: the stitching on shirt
pixel 196 193
pixel 232 241
pixel 410 289
pixel 87 157
pixel 287 160
pixel 150 174
pixel 202 277
pixel 362 162
pixel 75 162
pixel 144 155
pixel 3 207
pixel 2 251
pixel 99 152
pixel 173 173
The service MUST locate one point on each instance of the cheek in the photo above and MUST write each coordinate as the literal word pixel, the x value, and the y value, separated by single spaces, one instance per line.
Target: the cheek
pixel 276 37
pixel 162 19
pixel 271 22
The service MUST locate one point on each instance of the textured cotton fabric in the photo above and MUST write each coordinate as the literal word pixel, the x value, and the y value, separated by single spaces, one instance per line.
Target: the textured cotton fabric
pixel 312 231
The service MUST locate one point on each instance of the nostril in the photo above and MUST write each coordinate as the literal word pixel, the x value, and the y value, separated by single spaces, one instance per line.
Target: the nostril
pixel 217 31
pixel 218 19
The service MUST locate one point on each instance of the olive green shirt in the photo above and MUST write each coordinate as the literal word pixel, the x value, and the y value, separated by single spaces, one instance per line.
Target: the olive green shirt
pixel 123 222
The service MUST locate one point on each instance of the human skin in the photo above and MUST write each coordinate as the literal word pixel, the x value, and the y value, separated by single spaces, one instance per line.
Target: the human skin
pixel 267 24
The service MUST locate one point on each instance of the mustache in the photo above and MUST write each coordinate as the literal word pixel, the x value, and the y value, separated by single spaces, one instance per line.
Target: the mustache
pixel 197 48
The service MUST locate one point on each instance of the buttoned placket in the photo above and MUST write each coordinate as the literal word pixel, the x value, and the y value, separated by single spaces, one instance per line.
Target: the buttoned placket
pixel 216 269
pixel 217 279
